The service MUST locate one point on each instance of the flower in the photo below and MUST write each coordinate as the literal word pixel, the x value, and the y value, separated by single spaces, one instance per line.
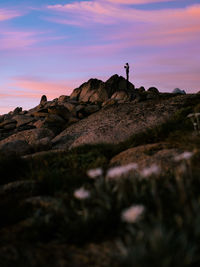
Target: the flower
pixel 185 155
pixel 93 173
pixel 132 214
pixel 81 193
pixel 153 169
pixel 121 170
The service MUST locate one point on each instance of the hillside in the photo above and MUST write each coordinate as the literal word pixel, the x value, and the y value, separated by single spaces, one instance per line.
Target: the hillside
pixel 108 176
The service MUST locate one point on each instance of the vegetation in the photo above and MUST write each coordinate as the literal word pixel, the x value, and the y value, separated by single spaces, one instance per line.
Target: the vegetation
pixel 162 229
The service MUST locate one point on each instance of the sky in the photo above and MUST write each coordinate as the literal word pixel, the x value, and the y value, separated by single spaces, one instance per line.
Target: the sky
pixel 52 46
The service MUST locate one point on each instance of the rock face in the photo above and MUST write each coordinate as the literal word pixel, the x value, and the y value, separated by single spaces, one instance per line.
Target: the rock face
pixel 116 123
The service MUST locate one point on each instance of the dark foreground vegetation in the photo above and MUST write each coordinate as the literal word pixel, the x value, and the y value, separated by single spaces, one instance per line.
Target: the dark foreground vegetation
pixel 44 223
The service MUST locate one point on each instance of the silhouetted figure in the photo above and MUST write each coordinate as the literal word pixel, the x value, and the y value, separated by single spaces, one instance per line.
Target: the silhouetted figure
pixel 127 74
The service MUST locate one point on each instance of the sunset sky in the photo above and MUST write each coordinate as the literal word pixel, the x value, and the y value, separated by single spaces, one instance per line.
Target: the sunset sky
pixel 52 46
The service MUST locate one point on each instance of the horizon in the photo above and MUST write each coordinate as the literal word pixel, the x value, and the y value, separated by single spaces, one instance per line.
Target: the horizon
pixel 54 47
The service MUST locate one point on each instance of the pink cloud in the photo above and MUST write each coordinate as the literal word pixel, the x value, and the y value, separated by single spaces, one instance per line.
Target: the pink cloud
pixel 36 87
pixel 105 13
pixel 8 14
pixel 134 2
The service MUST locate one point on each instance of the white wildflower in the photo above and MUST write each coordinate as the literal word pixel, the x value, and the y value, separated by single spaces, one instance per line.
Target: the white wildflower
pixel 185 155
pixel 94 173
pixel 118 171
pixel 81 193
pixel 152 170
pixel 132 214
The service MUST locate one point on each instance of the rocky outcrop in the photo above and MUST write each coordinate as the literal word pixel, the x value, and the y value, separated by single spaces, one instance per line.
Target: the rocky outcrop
pixel 115 123
pixel 43 100
pixel 95 112
pixel 97 91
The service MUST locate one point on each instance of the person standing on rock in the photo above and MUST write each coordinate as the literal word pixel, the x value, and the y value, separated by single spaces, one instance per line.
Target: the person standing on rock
pixel 127 74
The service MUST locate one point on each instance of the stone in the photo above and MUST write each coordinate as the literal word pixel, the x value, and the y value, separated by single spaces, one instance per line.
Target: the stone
pixel 19 147
pixel 116 123
pixel 178 91
pixel 1 118
pixel 10 126
pixel 6 122
pixel 72 120
pixel 118 83
pixel 71 107
pixel 151 95
pixel 63 98
pixel 43 100
pixel 75 94
pixel 39 123
pixel 141 89
pixel 17 110
pixel 43 144
pixel 54 119
pixel 40 114
pixel 93 90
pixel 147 155
pixel 61 111
pixel 109 102
pixel 30 136
pixel 23 119
pixel 90 109
pixel 120 95
pixel 25 128
pixel 79 108
pixel 153 90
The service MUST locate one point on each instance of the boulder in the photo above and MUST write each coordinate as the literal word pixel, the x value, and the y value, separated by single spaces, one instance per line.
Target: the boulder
pixel 97 91
pixel 120 95
pixel 17 110
pixel 109 102
pixel 90 109
pixel 93 90
pixel 63 98
pixel 118 83
pixel 43 100
pixel 178 91
pixel 153 90
pixel 42 144
pixel 39 123
pixel 141 89
pixel 23 119
pixel 75 94
pixel 1 118
pixel 71 107
pixel 61 111
pixel 6 122
pixel 30 136
pixel 147 155
pixel 151 95
pixel 19 147
pixel 10 126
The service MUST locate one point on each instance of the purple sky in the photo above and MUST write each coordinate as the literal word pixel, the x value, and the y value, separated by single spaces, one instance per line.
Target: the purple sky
pixel 52 46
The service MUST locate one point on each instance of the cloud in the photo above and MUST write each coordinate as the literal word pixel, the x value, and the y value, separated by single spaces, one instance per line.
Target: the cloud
pixel 8 14
pixel 35 87
pixel 138 2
